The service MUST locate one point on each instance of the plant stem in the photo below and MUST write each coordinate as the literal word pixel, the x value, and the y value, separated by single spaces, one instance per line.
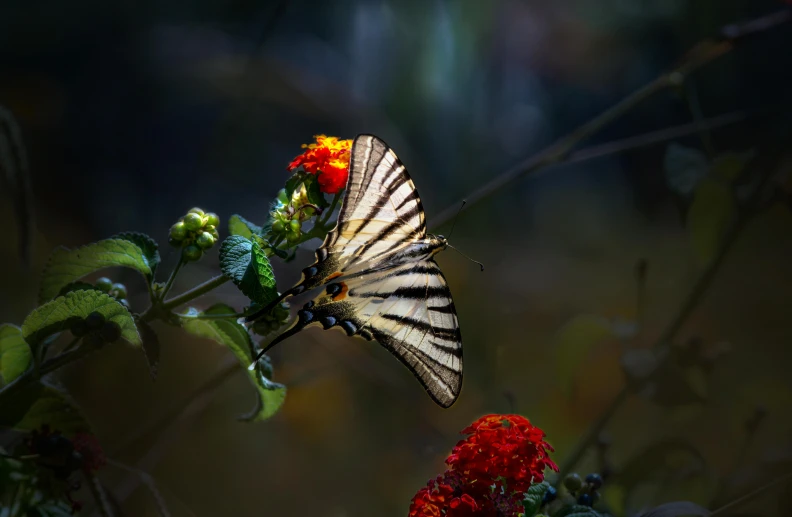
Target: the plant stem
pixel 332 208
pixel 684 311
pixel 171 278
pixel 750 495
pixel 195 292
pixel 211 316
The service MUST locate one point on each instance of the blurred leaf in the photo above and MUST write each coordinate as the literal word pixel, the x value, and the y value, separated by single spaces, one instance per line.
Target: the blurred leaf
pixel 39 404
pixel 66 265
pixel 534 497
pixel 249 268
pixel 708 216
pixel 238 225
pixel 148 245
pixel 573 342
pixel 677 509
pixel 315 194
pixel 15 176
pixel 684 168
pixel 150 346
pixel 55 316
pixel 235 336
pixel 576 510
pixel 77 286
pixel 15 355
pixel 729 166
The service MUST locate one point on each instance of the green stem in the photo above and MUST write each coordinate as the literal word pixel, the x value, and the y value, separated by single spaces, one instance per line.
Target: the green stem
pixel 694 105
pixel 332 208
pixel 211 316
pixel 195 292
pixel 172 277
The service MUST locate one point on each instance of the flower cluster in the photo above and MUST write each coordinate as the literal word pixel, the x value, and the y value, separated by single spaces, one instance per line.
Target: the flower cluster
pixel 489 471
pixel 195 232
pixel 328 159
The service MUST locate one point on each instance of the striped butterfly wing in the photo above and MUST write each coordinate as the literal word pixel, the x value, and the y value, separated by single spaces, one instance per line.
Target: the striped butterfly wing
pixel 408 309
pixel 381 213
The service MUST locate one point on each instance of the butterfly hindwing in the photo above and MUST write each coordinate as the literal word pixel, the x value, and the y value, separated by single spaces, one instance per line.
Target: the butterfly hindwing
pixel 408 310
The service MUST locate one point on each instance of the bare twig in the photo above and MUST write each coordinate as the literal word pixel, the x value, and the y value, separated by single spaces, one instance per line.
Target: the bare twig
pixel 750 495
pixel 701 54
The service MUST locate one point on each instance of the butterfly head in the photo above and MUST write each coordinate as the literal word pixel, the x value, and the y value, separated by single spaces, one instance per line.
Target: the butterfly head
pixel 438 243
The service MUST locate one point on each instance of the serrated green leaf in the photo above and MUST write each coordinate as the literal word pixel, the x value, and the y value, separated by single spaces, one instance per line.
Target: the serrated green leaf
pixel 66 265
pixel 78 286
pixel 54 316
pixel 15 354
pixel 708 217
pixel 684 168
pixel 148 245
pixel 150 346
pixel 238 225
pixel 729 166
pixel 534 497
pixel 248 267
pixel 39 404
pixel 576 510
pixel 573 342
pixel 233 335
pixel 314 192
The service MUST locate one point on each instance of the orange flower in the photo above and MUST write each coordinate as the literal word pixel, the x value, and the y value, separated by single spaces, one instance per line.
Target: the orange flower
pixel 328 158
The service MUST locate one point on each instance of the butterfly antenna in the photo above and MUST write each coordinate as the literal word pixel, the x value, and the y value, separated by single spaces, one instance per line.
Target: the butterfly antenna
pixel 453 224
pixel 470 259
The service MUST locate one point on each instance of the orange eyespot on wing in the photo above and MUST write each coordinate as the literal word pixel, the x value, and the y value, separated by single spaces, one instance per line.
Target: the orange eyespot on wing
pixel 334 275
pixel 342 293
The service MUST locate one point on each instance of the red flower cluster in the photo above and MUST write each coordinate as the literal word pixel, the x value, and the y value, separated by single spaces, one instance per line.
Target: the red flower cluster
pixel 328 158
pixel 489 471
pixel 93 455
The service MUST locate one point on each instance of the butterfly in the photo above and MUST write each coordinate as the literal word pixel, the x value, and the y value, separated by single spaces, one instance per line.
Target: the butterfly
pixel 379 276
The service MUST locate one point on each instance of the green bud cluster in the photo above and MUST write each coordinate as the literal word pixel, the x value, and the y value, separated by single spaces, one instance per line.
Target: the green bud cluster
pixel 114 289
pixel 273 320
pixel 95 329
pixel 586 491
pixel 195 232
pixel 288 214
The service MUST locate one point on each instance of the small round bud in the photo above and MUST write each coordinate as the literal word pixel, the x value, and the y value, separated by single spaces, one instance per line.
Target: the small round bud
pixel 79 328
pixel 550 495
pixel 585 500
pixel 193 222
pixel 572 482
pixel 178 231
pixel 191 253
pixel 295 225
pixel 213 219
pixel 209 228
pixel 124 302
pixel 196 210
pixel 104 284
pixel 278 226
pixel 594 480
pixel 215 234
pixel 111 331
pixel 205 240
pixel 119 291
pixel 95 320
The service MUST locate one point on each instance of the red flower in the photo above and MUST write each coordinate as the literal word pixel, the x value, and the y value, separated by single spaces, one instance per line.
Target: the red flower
pixel 328 158
pixel 88 446
pixel 502 448
pixel 430 500
pixel 464 506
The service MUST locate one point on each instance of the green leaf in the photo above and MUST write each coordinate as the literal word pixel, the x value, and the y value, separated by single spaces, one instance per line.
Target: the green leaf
pixel 292 183
pixel 576 510
pixel 150 346
pixel 235 336
pixel 54 316
pixel 314 192
pixel 573 343
pixel 534 497
pixel 249 268
pixel 238 225
pixel 15 355
pixel 729 166
pixel 708 216
pixel 39 404
pixel 684 168
pixel 148 245
pixel 66 265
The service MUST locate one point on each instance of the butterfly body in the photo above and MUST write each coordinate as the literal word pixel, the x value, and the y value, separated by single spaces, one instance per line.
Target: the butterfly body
pixel 379 276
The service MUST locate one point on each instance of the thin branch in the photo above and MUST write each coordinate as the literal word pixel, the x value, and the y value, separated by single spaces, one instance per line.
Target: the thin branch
pixel 697 57
pixel 195 292
pixel 172 277
pixel 750 495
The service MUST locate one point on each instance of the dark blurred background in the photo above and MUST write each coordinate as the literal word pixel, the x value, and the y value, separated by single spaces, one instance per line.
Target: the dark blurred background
pixel 133 112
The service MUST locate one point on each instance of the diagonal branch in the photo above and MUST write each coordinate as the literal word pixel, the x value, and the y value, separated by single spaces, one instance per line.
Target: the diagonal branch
pixel 701 54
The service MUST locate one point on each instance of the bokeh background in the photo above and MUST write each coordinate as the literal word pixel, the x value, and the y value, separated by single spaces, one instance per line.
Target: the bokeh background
pixel 133 112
